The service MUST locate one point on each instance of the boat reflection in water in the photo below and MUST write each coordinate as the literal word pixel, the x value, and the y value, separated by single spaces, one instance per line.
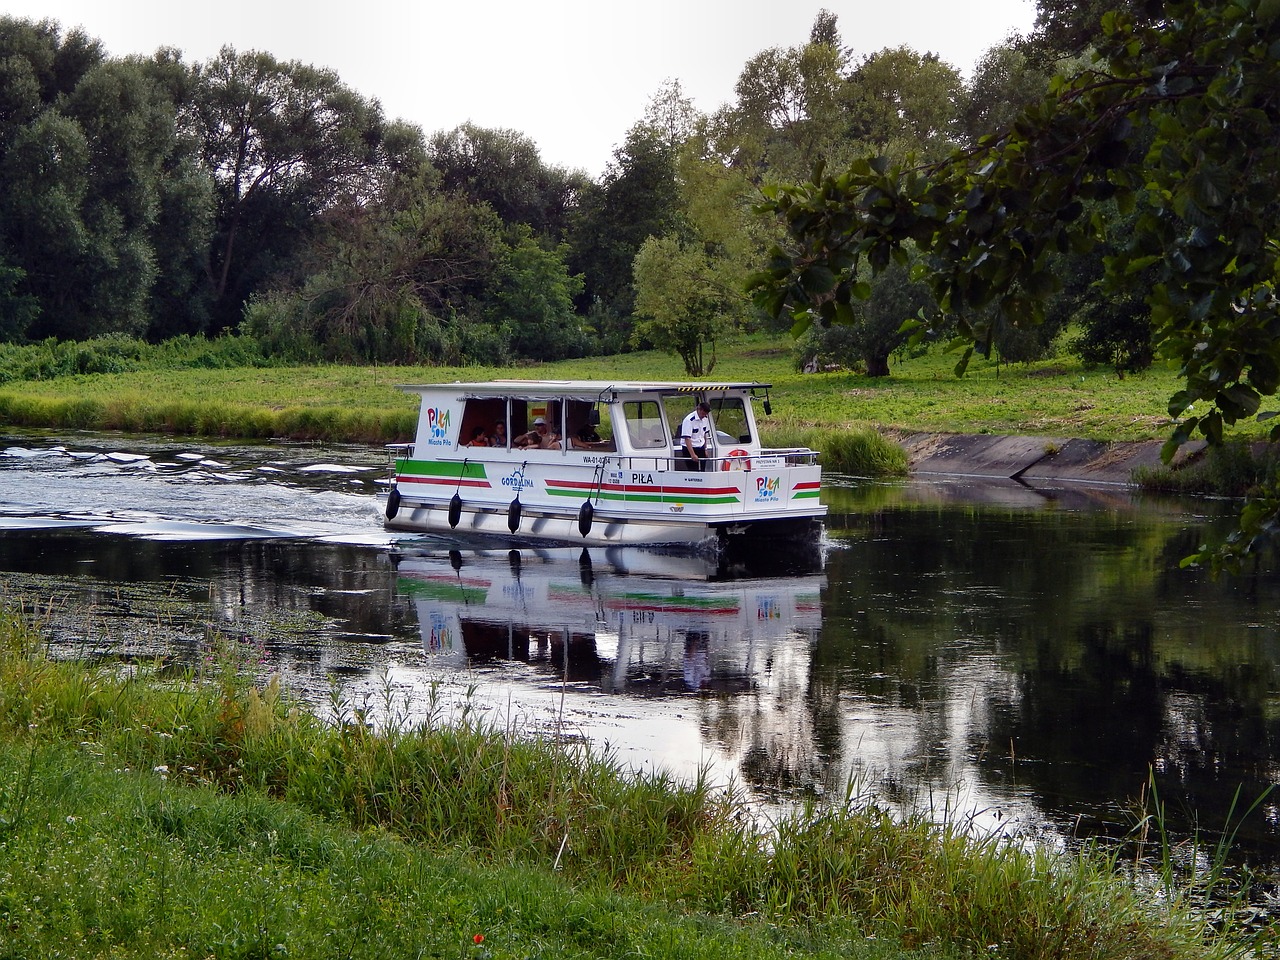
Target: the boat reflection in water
pixel 622 620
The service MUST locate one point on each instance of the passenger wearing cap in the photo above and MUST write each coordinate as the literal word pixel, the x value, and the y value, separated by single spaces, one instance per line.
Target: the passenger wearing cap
pixel 540 437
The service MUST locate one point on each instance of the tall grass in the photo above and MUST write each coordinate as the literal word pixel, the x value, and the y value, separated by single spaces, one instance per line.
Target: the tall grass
pixel 1228 470
pixel 116 353
pixel 138 412
pixel 454 783
pixel 859 451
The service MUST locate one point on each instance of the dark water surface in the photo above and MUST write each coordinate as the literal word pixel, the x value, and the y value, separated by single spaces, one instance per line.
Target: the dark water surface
pixel 1022 658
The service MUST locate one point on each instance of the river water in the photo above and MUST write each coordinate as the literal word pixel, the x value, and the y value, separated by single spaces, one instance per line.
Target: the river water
pixel 1030 660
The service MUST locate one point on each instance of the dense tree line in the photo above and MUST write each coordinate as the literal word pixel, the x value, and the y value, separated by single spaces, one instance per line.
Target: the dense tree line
pixel 156 198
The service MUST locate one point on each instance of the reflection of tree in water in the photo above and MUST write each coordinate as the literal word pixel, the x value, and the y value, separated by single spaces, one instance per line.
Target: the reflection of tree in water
pixel 771 725
pixel 1066 654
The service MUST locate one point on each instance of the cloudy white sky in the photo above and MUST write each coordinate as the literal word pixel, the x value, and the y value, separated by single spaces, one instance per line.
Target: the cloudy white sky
pixel 572 75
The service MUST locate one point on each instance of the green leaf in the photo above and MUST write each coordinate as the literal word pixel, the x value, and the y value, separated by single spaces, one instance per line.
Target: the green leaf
pixel 1179 402
pixel 1211 427
pixel 1209 186
pixel 803 322
pixel 1242 400
pixel 817 279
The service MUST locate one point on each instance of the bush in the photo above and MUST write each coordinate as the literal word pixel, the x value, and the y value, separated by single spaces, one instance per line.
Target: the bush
pixel 1116 335
pixel 116 353
pixel 1227 470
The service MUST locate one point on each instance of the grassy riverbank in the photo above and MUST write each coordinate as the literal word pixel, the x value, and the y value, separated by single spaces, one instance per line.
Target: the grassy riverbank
pixel 159 812
pixel 1055 398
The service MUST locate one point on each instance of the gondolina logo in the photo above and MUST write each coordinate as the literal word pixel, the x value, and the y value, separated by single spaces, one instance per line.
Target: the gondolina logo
pixel 767 488
pixel 517 480
pixel 437 426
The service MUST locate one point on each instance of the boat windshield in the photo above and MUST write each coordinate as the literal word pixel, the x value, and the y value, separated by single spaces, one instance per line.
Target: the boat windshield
pixel 728 415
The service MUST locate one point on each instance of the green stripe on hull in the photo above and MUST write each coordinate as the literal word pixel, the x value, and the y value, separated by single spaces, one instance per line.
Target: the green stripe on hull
pixel 442 468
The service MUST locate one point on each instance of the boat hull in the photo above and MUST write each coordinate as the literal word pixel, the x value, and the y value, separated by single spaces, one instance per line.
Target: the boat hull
pixel 602 504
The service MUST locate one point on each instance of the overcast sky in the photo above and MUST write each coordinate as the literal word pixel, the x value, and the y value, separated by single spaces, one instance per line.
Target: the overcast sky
pixel 572 75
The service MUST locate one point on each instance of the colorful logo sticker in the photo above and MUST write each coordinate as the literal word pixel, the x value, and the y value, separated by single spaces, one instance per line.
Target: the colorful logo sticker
pixel 767 489
pixel 437 427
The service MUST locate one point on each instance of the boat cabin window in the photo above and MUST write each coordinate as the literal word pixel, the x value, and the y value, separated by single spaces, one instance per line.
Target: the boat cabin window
pixel 645 428
pixel 587 426
pixel 524 417
pixel 728 415
pixel 480 423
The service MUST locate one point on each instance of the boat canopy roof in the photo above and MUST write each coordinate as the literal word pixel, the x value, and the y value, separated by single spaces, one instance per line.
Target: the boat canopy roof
pixel 592 390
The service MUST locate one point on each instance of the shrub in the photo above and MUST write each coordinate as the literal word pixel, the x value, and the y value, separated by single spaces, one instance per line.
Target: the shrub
pixel 1226 470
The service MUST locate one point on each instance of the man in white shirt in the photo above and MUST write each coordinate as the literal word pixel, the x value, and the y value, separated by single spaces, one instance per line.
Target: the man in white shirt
pixel 695 429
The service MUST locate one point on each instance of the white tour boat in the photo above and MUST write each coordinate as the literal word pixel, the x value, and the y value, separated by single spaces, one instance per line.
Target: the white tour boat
pixel 601 468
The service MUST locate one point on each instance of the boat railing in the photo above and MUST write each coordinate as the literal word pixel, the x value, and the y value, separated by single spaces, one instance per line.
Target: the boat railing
pixel 399 451
pixel 766 458
pixel 793 456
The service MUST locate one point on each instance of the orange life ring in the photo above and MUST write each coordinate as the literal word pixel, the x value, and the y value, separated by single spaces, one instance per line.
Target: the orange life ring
pixel 737 460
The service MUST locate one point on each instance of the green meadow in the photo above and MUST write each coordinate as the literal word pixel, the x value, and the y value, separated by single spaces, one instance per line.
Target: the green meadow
pixel 1052 398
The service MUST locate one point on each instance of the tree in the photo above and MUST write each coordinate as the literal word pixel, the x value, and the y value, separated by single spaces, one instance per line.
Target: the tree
pixel 283 142
pixel 85 174
pixel 682 301
pixel 532 300
pixel 900 102
pixel 17 310
pixel 503 169
pixel 788 108
pixel 637 198
pixel 399 281
pixel 876 327
pixel 1201 91
pixel 1066 28
pixel 1005 83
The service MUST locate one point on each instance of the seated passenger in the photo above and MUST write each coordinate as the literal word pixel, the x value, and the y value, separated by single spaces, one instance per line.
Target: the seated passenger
pixel 540 437
pixel 588 439
pixel 478 438
pixel 499 437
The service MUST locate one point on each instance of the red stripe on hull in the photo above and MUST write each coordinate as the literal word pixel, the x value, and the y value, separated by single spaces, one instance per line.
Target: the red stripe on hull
pixel 444 482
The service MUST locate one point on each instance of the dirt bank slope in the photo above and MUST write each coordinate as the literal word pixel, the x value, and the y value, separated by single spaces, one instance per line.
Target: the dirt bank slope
pixel 1031 458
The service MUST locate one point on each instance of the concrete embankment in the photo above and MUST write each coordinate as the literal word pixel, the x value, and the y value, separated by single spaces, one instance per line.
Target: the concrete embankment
pixel 1031 458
